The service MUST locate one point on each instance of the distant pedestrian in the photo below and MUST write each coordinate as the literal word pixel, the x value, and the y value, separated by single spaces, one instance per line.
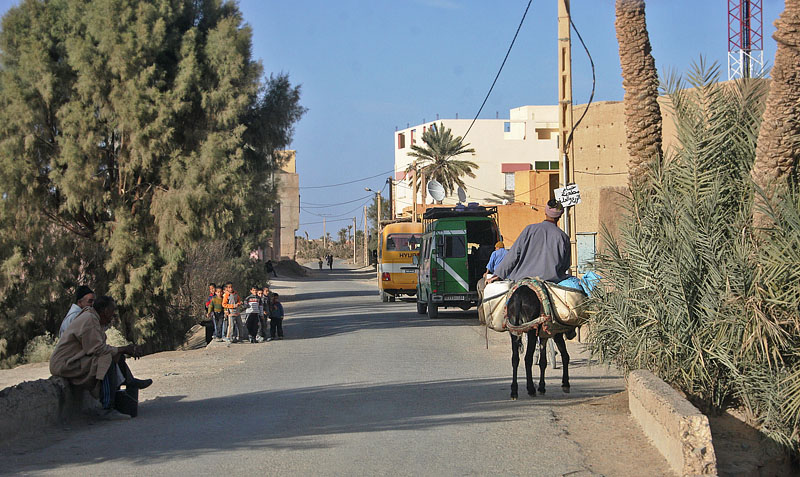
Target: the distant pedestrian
pixel 231 303
pixel 330 261
pixel 320 263
pixel 253 311
pixel 271 269
pixel 275 318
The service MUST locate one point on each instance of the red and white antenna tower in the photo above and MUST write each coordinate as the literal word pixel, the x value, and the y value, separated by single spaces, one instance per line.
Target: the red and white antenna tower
pixel 745 38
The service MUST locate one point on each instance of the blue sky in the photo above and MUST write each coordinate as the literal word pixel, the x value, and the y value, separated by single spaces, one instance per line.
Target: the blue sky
pixel 369 66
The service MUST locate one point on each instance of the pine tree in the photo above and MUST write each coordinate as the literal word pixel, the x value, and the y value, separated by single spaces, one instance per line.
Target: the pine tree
pixel 131 131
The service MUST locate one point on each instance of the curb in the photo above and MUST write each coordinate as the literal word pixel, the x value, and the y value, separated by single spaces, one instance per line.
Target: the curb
pixel 674 426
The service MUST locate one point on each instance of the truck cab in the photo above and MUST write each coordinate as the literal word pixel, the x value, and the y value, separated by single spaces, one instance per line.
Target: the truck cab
pixel 456 246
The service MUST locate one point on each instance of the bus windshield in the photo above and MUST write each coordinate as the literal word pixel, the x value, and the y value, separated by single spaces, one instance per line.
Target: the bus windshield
pixel 403 242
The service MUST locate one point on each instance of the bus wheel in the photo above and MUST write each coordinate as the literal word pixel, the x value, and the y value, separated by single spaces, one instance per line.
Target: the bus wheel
pixel 422 308
pixel 384 296
pixel 433 311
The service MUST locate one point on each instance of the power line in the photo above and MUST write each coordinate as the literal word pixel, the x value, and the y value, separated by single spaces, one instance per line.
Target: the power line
pixel 310 205
pixel 348 182
pixel 501 69
pixel 591 96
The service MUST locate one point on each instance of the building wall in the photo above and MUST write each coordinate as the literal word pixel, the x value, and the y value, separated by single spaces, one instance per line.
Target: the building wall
pixel 502 146
pixel 288 214
pixel 601 162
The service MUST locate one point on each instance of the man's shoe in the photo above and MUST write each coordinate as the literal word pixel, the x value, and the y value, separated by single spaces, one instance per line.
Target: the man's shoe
pixel 270 339
pixel 140 383
pixel 113 415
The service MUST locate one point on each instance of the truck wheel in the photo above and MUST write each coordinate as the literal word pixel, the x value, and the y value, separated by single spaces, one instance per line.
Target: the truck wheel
pixel 384 297
pixel 422 308
pixel 433 311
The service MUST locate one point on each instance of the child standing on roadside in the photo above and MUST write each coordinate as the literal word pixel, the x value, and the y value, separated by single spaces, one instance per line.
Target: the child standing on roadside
pixel 263 325
pixel 231 303
pixel 253 311
pixel 216 313
pixel 275 318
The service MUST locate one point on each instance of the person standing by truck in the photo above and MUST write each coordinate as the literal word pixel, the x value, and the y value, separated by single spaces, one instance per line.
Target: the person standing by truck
pixel 494 260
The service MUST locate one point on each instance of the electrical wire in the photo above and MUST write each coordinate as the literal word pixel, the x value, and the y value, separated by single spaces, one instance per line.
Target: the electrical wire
pixel 348 182
pixel 594 82
pixel 310 205
pixel 500 70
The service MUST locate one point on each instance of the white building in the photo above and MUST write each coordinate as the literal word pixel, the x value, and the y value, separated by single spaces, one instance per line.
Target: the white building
pixel 528 140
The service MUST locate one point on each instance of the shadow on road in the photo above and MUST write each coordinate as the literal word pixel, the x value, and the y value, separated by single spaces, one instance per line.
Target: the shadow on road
pixel 282 419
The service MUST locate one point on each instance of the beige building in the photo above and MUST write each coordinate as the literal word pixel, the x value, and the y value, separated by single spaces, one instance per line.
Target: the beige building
pixel 526 141
pixel 287 211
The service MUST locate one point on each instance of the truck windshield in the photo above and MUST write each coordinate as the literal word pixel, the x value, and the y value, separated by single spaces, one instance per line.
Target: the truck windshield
pixel 402 242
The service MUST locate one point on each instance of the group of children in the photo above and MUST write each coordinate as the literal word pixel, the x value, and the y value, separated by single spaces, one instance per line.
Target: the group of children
pixel 224 308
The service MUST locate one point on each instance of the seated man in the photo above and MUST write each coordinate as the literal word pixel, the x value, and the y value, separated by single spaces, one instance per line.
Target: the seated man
pixel 83 357
pixel 84 296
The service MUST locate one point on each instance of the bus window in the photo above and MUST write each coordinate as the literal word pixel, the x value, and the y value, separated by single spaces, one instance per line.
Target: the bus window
pixel 402 242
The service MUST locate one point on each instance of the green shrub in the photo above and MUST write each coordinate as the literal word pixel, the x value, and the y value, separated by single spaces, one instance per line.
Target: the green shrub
pixel 690 291
pixel 40 348
pixel 115 338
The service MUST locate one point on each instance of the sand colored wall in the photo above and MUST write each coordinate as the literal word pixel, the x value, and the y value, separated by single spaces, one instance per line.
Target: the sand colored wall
pixel 512 218
pixel 601 162
pixel 288 216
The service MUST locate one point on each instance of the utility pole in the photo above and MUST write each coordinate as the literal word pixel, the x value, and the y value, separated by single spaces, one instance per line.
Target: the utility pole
pixel 379 211
pixel 354 240
pixel 414 193
pixel 366 239
pixel 323 233
pixel 391 197
pixel 565 121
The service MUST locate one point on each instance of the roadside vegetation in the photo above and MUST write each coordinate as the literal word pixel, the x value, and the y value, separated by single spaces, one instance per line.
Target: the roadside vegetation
pixel 136 138
pixel 702 282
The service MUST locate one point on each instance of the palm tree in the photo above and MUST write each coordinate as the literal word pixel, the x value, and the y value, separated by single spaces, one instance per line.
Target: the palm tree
pixel 435 159
pixel 777 150
pixel 640 80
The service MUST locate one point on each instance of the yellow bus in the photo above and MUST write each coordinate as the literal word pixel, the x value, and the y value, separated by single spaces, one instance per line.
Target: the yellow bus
pixel 398 255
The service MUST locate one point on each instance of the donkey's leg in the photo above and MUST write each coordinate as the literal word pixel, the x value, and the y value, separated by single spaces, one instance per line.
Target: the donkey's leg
pixel 542 362
pixel 515 342
pixel 562 349
pixel 529 362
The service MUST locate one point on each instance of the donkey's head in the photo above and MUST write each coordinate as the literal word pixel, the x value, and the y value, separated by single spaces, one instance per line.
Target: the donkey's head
pixel 523 306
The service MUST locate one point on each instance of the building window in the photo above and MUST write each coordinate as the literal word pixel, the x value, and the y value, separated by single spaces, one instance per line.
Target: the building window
pixel 413 136
pixel 507 126
pixel 546 165
pixel 509 181
pixel 401 141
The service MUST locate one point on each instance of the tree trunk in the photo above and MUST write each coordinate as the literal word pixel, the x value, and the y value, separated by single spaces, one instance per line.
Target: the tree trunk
pixel 640 80
pixel 777 149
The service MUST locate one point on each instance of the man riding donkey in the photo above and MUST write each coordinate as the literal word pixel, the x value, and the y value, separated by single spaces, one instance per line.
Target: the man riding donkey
pixel 540 254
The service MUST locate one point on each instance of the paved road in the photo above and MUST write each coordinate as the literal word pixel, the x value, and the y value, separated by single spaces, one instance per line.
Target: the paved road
pixel 358 387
